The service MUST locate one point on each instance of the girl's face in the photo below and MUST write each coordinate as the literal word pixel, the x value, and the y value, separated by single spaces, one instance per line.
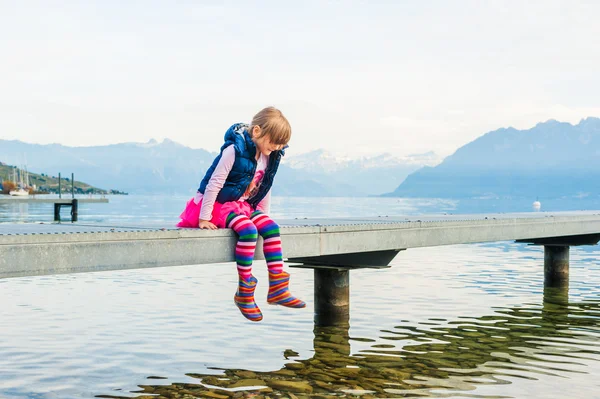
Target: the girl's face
pixel 263 144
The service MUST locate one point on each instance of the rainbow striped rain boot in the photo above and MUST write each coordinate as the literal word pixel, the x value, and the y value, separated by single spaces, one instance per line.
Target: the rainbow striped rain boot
pixel 244 299
pixel 279 293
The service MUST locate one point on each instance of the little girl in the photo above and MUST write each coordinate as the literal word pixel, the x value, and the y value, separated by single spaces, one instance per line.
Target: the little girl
pixel 235 193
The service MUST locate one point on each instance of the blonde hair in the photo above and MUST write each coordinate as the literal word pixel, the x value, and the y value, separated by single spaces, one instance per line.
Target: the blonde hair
pixel 273 124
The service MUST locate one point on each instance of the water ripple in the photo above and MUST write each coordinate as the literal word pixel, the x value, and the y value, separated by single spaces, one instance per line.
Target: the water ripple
pixel 458 321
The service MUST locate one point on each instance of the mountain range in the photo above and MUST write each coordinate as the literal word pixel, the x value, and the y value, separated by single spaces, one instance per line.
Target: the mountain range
pixel 553 159
pixel 170 167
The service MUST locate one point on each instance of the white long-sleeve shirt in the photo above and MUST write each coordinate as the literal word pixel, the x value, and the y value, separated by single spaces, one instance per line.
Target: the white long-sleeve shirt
pixel 218 178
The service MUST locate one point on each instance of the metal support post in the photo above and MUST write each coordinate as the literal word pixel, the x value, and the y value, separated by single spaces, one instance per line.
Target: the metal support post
pixel 332 297
pixel 556 265
pixel 57 212
pixel 74 210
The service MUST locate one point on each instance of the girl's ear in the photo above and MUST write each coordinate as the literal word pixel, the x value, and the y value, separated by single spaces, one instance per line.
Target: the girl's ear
pixel 255 131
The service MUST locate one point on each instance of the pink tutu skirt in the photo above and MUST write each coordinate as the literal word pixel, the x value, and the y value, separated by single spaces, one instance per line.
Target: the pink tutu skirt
pixel 191 214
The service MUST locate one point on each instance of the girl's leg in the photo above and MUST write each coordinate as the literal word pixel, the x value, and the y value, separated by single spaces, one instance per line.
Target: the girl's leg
pixel 244 254
pixel 269 230
pixel 279 292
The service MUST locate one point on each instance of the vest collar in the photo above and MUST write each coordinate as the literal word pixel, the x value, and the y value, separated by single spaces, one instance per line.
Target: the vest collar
pixel 250 144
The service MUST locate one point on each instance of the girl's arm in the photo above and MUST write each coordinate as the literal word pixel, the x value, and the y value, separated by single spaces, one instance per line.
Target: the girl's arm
pixel 216 182
pixel 265 204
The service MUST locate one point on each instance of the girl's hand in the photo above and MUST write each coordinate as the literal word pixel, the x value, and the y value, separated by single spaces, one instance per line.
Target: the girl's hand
pixel 206 224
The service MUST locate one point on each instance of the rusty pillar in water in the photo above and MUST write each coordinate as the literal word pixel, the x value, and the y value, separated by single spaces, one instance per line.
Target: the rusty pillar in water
pixel 332 297
pixel 556 265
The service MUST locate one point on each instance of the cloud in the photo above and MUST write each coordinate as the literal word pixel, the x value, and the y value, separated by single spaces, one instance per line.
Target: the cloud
pixel 409 123
pixel 367 78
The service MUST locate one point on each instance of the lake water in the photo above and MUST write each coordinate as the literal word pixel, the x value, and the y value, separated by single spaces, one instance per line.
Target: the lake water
pixel 458 321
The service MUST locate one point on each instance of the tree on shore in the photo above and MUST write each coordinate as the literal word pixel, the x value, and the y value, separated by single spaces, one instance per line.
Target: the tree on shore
pixel 8 186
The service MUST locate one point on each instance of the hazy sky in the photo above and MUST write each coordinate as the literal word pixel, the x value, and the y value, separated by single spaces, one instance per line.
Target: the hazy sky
pixel 352 76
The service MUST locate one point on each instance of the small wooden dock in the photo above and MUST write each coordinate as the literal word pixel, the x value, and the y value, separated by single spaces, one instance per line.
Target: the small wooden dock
pixel 34 200
pixel 332 247
pixel 59 203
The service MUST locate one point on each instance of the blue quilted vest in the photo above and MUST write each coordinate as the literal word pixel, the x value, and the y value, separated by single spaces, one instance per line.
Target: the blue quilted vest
pixel 244 167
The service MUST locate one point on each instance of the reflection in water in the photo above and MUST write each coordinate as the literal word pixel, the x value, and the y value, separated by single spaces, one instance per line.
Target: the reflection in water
pixel 438 359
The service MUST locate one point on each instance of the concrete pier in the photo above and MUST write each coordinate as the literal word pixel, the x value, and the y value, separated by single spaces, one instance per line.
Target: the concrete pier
pixel 333 247
pixel 358 242
pixel 556 255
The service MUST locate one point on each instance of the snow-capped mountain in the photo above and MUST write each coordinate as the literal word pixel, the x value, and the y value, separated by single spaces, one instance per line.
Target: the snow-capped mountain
pixel 325 160
pixel 367 175
pixel 317 160
pixel 170 167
